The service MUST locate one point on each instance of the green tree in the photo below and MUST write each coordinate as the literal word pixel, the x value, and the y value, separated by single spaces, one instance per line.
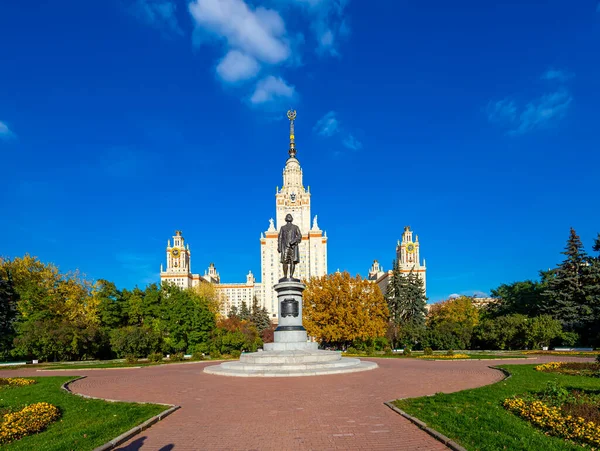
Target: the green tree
pixel 111 306
pixel 524 297
pixel 542 330
pixel 185 319
pixel 503 332
pixel 567 293
pixel 8 315
pixel 245 312
pixel 259 317
pixel 139 341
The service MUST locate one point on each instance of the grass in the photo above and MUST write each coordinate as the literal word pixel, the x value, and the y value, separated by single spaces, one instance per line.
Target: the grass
pixel 476 419
pixel 85 423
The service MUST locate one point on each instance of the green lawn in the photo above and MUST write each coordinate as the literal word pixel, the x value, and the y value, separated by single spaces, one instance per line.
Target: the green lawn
pixel 476 419
pixel 85 423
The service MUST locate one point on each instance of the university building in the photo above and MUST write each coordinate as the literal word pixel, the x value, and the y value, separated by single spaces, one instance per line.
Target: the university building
pixel 409 259
pixel 292 198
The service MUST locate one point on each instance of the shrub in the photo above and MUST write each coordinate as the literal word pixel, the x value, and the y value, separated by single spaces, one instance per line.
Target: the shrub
pixel 407 351
pixel 388 350
pixel 138 341
pixel 351 350
pixel 380 343
pixel 177 357
pixel 428 351
pixel 130 358
pixel 198 356
pixel 215 354
pixel 449 352
pixel 155 357
pixel 598 358
pixel 370 350
pixel 29 420
pixel 236 354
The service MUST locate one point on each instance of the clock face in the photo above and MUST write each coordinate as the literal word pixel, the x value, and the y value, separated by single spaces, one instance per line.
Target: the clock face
pixel 410 248
pixel 175 252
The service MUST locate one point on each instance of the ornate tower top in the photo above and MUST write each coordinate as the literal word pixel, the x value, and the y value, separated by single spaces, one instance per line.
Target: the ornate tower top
pixel 291 114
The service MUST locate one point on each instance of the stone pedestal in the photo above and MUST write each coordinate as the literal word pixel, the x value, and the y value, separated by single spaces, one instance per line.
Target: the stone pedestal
pixel 290 334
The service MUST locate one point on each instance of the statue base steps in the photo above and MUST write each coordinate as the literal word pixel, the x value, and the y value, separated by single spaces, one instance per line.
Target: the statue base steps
pixel 290 363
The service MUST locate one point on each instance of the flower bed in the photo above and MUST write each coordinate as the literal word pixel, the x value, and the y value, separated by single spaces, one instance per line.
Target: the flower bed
pixel 16 381
pixel 445 357
pixel 571 368
pixel 556 422
pixel 29 420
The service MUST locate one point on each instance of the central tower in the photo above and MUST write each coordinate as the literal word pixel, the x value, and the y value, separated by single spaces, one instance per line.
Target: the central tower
pixel 292 198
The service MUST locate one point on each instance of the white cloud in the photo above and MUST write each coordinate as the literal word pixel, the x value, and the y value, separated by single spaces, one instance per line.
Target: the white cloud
pixel 352 143
pixel 159 14
pixel 542 111
pixel 259 33
pixel 502 111
pixel 327 23
pixel 538 113
pixel 557 75
pixel 328 125
pixel 237 66
pixel 5 132
pixel 271 88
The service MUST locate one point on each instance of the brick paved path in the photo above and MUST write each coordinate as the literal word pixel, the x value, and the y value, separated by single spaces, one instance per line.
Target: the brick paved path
pixel 302 413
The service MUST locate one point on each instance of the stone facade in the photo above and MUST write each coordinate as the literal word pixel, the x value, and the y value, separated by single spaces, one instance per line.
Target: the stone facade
pixel 408 256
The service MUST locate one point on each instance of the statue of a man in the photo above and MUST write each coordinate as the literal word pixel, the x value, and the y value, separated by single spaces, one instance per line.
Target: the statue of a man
pixel 287 245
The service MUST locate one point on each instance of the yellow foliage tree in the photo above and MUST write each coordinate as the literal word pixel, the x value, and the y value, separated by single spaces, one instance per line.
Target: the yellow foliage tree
pixel 339 309
pixel 215 298
pixel 42 288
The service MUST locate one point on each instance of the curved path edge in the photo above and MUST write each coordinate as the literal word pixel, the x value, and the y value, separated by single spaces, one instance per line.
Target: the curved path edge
pixel 125 436
pixel 435 434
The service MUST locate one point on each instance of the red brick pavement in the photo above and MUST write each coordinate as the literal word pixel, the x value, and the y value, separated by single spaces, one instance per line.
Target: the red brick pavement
pixel 303 413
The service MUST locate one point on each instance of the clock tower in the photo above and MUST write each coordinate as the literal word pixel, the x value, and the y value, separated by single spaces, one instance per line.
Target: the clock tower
pixel 179 262
pixel 408 255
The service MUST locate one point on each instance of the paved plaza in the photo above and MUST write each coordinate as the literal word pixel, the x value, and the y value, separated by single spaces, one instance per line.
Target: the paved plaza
pixel 300 413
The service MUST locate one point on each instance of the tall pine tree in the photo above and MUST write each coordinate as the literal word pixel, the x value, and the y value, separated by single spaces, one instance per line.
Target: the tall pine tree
pixel 259 316
pixel 406 303
pixel 593 294
pixel 567 292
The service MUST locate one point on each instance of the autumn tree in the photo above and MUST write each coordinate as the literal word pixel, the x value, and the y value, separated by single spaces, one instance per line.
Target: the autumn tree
pixel 339 309
pixel 58 316
pixel 214 298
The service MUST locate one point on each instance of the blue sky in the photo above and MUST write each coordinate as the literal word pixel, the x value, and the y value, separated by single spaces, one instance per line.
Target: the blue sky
pixel 476 123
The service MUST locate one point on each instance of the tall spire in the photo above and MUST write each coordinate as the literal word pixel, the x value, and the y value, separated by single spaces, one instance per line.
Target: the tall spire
pixel 291 114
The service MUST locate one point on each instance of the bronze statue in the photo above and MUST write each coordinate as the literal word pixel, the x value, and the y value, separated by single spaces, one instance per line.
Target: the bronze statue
pixel 287 245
